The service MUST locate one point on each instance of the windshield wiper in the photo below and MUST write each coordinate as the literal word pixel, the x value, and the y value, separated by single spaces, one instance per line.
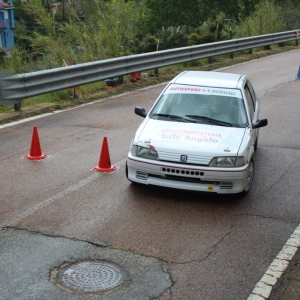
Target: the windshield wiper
pixel 210 120
pixel 174 117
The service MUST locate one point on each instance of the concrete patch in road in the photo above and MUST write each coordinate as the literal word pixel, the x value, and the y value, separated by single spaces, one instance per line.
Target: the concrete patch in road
pixel 27 262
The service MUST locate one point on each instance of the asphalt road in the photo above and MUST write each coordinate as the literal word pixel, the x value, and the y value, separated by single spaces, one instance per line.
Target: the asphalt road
pixel 172 244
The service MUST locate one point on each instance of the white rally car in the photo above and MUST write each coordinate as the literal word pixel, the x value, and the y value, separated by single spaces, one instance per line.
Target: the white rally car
pixel 200 134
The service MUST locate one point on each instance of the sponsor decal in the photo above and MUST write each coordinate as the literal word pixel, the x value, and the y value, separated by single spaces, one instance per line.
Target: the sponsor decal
pixel 192 132
pixel 185 89
pixel 224 92
pixel 189 138
pixel 189 89
pixel 147 145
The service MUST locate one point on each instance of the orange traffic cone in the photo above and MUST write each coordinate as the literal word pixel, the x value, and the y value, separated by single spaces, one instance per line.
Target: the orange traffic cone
pixel 35 150
pixel 104 161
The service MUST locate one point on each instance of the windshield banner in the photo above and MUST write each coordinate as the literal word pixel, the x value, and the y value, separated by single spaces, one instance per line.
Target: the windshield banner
pixel 190 89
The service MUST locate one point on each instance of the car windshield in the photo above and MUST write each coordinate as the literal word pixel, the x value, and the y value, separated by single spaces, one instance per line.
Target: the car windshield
pixel 202 105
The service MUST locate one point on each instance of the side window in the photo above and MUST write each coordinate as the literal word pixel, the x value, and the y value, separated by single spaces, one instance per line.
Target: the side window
pixel 251 90
pixel 250 101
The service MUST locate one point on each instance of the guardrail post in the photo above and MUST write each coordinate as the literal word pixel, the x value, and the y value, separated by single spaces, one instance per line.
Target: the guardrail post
pixel 120 79
pixel 267 47
pixel 17 106
pixel 155 72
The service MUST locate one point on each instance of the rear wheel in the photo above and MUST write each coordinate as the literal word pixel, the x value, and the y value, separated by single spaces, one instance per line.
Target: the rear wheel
pixel 249 178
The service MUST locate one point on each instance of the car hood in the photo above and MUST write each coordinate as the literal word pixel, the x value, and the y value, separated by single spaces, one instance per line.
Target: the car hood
pixel 189 138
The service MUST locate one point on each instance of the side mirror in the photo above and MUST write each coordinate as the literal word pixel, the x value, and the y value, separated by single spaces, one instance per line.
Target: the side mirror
pixel 140 111
pixel 260 123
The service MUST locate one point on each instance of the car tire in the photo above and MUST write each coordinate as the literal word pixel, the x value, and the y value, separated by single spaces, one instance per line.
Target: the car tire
pixel 250 176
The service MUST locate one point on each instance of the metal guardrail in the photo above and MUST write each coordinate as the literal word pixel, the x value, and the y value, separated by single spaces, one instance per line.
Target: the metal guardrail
pixel 16 87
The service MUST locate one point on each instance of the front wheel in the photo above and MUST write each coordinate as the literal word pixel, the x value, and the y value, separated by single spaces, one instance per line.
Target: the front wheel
pixel 249 178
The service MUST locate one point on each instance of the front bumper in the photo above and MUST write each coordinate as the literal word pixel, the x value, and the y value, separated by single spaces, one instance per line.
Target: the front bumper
pixel 186 177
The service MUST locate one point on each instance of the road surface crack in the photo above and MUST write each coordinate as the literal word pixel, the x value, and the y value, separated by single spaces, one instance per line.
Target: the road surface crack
pixel 90 241
pixel 213 249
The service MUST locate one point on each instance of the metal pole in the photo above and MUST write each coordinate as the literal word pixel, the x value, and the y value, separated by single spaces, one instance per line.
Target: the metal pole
pixel 17 106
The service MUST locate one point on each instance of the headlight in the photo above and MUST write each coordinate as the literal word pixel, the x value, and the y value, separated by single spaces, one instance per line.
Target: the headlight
pixel 227 161
pixel 144 152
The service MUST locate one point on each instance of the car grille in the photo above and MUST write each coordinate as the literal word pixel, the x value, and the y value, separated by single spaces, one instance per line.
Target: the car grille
pixel 192 159
pixel 141 175
pixel 226 185
pixel 182 172
pixel 187 179
pixel 195 178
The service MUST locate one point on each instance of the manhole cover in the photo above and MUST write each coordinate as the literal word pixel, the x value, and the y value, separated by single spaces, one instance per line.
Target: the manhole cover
pixel 91 277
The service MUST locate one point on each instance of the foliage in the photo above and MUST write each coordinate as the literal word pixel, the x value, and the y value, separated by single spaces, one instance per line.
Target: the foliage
pixel 106 34
pixel 208 32
pixel 158 14
pixel 90 30
pixel 289 17
pixel 172 37
pixel 237 10
pixel 14 63
pixel 146 44
pixel 265 19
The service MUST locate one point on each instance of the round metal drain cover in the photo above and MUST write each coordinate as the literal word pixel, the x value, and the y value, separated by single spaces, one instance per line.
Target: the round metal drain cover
pixel 91 277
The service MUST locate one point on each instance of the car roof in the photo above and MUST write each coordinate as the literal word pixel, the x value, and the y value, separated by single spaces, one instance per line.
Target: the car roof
pixel 212 79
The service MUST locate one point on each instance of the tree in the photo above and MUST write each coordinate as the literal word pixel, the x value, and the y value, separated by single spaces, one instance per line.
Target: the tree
pixel 168 13
pixel 290 14
pixel 265 19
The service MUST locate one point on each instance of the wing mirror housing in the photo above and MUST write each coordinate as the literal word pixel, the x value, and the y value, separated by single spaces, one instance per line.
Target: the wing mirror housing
pixel 140 111
pixel 260 123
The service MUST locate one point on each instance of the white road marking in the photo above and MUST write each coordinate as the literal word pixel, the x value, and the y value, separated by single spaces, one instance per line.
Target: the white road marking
pixel 59 195
pixel 264 287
